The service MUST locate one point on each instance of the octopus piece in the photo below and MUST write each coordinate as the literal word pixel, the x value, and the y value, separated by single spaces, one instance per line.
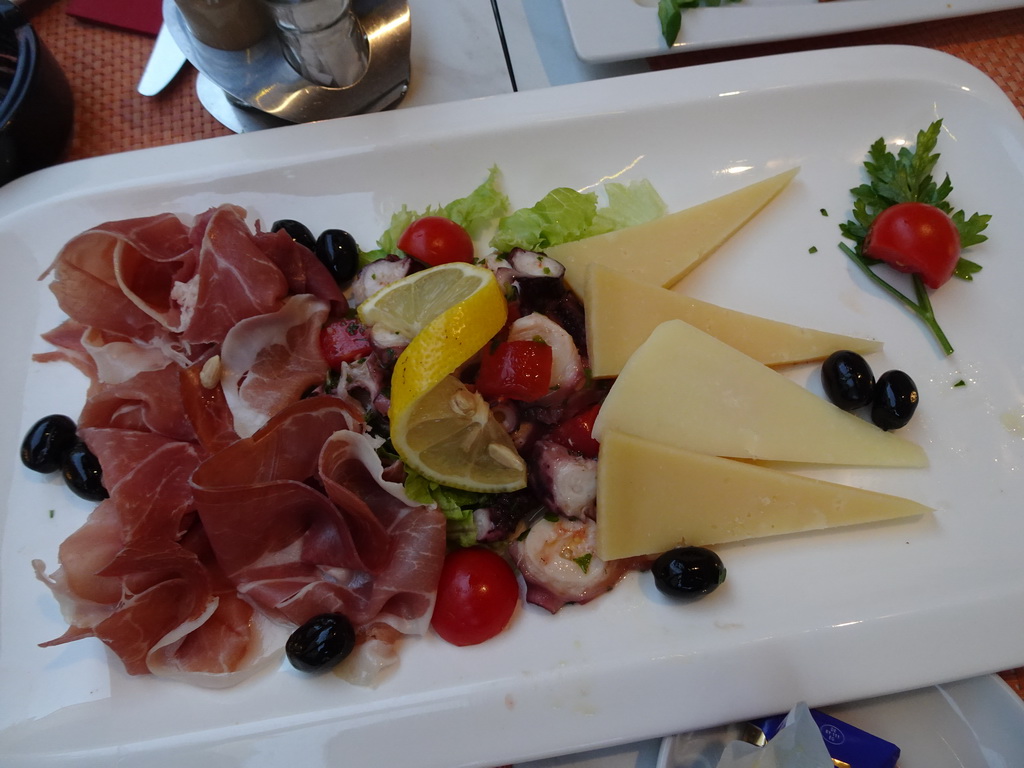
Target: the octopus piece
pixel 504 515
pixel 550 297
pixel 385 338
pixel 518 265
pixel 376 275
pixel 564 481
pixel 534 264
pixel 567 369
pixel 363 379
pixel 558 564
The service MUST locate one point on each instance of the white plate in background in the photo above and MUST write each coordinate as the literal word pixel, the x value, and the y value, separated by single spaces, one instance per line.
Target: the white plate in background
pixel 825 617
pixel 977 722
pixel 616 30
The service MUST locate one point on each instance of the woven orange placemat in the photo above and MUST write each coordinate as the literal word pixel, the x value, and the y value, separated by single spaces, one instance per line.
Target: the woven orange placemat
pixel 103 66
pixel 1015 679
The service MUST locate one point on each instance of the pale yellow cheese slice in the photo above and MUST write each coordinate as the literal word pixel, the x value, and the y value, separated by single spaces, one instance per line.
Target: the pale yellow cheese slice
pixel 622 312
pixel 651 498
pixel 663 250
pixel 686 388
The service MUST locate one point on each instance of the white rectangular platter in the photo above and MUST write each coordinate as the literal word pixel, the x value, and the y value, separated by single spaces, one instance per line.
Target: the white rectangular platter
pixel 823 617
pixel 616 30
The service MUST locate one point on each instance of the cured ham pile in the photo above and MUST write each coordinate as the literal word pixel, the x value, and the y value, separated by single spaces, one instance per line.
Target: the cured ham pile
pixel 241 495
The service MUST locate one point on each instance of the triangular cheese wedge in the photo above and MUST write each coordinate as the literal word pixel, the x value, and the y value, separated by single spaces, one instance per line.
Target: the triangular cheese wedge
pixel 651 498
pixel 663 250
pixel 622 312
pixel 685 388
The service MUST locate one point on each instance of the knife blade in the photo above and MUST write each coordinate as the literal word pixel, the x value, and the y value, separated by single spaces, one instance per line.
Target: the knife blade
pixel 164 63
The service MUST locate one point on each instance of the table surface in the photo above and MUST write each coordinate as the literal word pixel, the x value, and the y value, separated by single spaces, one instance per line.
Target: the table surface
pixel 103 65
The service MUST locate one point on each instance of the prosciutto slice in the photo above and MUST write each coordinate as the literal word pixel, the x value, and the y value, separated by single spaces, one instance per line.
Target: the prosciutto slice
pixel 303 521
pixel 118 276
pixel 147 402
pixel 160 282
pixel 268 361
pixel 139 575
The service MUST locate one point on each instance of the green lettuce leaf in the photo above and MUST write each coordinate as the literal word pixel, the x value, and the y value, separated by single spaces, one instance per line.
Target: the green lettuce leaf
pixel 475 212
pixel 564 215
pixel 628 205
pixel 560 216
pixel 457 505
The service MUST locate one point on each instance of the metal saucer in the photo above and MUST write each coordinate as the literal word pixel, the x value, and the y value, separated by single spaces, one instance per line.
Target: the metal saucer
pixel 261 78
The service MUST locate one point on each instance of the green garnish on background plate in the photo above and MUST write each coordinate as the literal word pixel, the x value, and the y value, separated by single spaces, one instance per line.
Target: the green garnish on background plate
pixel 670 14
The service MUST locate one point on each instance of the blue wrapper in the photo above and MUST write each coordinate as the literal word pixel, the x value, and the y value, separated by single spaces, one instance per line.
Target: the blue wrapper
pixel 845 743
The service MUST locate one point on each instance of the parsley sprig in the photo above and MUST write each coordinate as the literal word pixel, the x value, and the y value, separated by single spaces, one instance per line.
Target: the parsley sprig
pixel 670 14
pixel 906 177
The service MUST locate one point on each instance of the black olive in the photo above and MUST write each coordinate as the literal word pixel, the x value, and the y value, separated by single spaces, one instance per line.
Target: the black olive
pixel 337 250
pixel 46 443
pixel 688 573
pixel 848 380
pixel 895 400
pixel 321 643
pixel 298 231
pixel 82 473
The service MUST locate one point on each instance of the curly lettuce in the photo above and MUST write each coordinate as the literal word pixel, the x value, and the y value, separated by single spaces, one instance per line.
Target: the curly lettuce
pixel 564 215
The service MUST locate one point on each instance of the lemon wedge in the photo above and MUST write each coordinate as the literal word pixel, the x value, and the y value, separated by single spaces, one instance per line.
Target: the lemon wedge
pixel 450 436
pixel 439 427
pixel 449 312
pixel 411 303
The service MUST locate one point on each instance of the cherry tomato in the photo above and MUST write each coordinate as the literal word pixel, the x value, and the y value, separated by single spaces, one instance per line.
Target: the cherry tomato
pixel 577 433
pixel 436 240
pixel 518 370
pixel 917 238
pixel 343 341
pixel 476 596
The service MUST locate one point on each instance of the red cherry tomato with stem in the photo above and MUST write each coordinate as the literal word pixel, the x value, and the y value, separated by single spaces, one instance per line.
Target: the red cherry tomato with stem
pixel 436 240
pixel 476 596
pixel 917 238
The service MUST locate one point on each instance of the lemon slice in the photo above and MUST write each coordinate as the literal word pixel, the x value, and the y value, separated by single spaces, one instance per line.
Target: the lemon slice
pixel 440 428
pixel 466 309
pixel 450 436
pixel 410 304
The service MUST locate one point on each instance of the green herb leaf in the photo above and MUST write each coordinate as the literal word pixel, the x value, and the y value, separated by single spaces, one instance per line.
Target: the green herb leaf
pixel 965 269
pixel 970 229
pixel 671 18
pixel 583 561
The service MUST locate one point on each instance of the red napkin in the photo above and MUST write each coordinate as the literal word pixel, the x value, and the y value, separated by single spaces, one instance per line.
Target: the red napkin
pixel 136 15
